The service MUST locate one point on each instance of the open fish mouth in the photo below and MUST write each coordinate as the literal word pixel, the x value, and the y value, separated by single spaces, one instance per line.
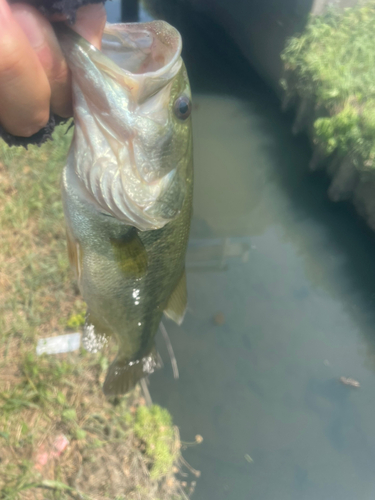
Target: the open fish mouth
pixel 127 149
pixel 146 56
pixel 150 49
pixel 142 47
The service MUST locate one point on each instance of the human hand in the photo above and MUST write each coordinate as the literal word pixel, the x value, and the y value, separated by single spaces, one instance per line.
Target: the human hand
pixel 34 76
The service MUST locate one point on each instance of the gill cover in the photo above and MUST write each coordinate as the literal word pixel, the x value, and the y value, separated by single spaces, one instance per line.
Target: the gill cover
pixel 127 153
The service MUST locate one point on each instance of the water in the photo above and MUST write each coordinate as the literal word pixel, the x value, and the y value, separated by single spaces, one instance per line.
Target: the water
pixel 292 276
pixel 113 8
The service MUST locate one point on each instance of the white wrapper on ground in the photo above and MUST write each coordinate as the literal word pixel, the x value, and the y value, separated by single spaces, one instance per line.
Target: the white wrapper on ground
pixel 57 345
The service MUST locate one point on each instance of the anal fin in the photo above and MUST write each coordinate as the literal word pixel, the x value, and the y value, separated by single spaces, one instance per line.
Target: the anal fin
pixel 176 307
pixel 123 375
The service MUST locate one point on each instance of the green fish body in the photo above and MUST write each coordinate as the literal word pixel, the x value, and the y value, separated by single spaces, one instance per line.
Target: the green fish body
pixel 127 189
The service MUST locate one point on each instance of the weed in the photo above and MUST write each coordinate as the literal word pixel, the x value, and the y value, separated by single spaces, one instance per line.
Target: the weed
pixel 154 427
pixel 332 63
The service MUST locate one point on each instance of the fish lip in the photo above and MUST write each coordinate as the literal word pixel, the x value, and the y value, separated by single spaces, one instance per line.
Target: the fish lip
pixel 154 27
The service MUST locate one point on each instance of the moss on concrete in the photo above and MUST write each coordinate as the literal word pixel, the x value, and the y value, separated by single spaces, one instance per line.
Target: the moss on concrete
pixel 333 63
pixel 330 77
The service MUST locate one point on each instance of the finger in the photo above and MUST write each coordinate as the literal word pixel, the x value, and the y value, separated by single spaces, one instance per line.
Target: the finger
pixel 90 22
pixel 49 54
pixel 24 87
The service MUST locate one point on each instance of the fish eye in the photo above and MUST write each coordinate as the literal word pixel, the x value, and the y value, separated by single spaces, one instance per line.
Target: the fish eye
pixel 182 107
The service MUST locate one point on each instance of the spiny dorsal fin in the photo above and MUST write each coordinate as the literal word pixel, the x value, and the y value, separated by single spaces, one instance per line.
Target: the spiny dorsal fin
pixel 176 307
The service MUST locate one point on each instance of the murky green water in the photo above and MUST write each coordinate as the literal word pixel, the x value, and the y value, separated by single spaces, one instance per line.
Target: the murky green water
pixel 292 274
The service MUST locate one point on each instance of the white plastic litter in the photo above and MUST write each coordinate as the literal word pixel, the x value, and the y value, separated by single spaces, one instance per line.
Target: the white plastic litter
pixel 61 343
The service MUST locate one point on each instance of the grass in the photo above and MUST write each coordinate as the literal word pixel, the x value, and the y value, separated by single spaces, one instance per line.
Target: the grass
pixel 117 448
pixel 332 64
pixel 154 427
pixel 35 282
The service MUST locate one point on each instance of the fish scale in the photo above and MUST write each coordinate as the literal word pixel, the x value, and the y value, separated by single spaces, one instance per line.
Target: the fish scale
pixel 129 276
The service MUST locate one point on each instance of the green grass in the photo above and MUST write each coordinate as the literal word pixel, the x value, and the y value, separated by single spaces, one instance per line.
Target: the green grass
pixel 62 396
pixel 154 427
pixel 34 276
pixel 111 453
pixel 332 63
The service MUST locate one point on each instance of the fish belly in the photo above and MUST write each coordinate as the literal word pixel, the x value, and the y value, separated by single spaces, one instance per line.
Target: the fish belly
pixel 126 278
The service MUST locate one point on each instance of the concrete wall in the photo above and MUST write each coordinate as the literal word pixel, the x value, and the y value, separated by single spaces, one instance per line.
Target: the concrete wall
pixel 260 27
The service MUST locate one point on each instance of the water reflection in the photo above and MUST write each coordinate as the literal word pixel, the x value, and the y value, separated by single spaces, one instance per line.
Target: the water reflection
pixel 213 254
pixel 292 276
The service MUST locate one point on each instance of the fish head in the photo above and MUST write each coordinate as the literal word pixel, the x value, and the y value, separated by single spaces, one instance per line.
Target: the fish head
pixel 132 104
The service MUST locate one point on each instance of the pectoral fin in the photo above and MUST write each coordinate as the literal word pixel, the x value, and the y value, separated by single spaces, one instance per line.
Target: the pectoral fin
pixel 176 307
pixel 130 254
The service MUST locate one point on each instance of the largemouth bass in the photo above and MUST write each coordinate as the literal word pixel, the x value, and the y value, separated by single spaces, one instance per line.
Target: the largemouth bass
pixel 127 189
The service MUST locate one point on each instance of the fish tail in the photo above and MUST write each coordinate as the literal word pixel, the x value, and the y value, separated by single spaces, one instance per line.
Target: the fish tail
pixel 123 375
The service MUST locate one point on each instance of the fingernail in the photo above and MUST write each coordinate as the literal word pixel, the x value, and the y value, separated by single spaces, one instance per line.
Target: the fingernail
pixel 30 26
pixel 5 14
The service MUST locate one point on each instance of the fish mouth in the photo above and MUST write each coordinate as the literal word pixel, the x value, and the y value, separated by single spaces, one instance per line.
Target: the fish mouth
pixel 140 48
pixel 141 57
pixel 146 56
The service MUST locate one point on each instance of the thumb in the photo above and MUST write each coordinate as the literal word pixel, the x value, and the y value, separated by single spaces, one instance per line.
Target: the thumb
pixel 90 22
